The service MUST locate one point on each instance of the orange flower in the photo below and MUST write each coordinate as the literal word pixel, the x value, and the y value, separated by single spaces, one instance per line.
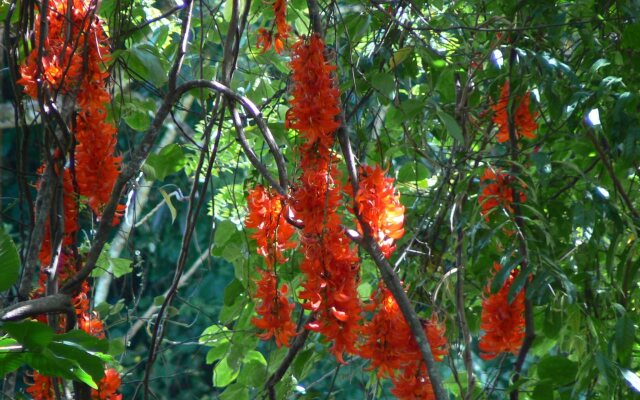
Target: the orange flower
pixel 389 342
pixel 267 216
pixel 91 323
pixel 502 322
pixel 330 264
pixel 413 383
pixel 379 207
pixel 274 310
pixel 267 38
pixel 108 386
pixel 525 124
pixel 96 167
pixel 315 107
pixel 497 193
pixel 41 388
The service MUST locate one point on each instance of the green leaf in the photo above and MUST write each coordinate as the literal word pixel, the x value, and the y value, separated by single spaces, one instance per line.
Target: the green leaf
pixel 223 374
pixel 557 369
pixel 168 161
pixel 452 125
pixel 9 262
pixel 412 173
pixel 83 339
pixel 218 351
pixel 254 369
pixel 137 119
pixel 167 200
pixel 86 362
pixel 121 266
pixel 235 392
pixel 625 335
pixel 542 391
pixel 10 361
pixel 225 230
pixel 384 83
pixel 213 335
pixel 399 56
pixel 33 335
pixel 146 63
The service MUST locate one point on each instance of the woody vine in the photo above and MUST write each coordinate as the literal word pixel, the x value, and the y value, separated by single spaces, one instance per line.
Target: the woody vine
pixel 429 259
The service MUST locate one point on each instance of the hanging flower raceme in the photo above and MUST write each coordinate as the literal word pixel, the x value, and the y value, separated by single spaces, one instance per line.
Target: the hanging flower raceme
pixel 380 208
pixel 272 231
pixel 330 263
pixel 274 310
pixel 272 234
pixel 68 45
pixel 497 192
pixel 503 321
pixel 75 53
pixel 390 346
pixel 277 39
pixel 73 59
pixel 96 167
pixel 315 107
pixel 524 121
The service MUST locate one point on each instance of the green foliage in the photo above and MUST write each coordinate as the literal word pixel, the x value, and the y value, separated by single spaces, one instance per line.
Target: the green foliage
pixel 72 355
pixel 9 262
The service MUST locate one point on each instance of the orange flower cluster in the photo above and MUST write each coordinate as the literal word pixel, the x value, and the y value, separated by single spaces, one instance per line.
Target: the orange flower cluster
pixel 267 217
pixel 393 351
pixel 497 192
pixel 330 263
pixel 274 310
pixel 379 207
pixel 108 386
pixel 75 52
pixel 524 121
pixel 502 322
pixel 315 107
pixel 277 39
pixel 41 388
pixel 272 234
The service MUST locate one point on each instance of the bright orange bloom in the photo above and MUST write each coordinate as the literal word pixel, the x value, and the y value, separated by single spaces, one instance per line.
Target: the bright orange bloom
pixel 96 167
pixel 497 192
pixel 389 342
pixel 108 386
pixel 502 322
pixel 380 208
pixel 524 121
pixel 274 311
pixel 267 38
pixel 315 107
pixel 91 323
pixel 42 387
pixel 413 383
pixel 267 216
pixel 67 45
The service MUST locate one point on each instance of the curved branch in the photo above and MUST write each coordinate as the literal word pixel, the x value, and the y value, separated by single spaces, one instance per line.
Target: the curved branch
pixel 53 304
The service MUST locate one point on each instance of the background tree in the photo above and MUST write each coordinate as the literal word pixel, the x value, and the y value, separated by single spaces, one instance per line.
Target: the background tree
pixel 409 199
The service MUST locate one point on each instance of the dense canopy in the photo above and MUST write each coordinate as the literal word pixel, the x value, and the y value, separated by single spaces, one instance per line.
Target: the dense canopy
pixel 300 199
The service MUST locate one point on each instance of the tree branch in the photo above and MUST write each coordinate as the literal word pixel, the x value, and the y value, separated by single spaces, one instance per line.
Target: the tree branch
pixel 296 346
pixel 53 304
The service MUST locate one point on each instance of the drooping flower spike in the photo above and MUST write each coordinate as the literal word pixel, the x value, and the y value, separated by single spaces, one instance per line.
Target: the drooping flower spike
pixel 502 321
pixel 524 121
